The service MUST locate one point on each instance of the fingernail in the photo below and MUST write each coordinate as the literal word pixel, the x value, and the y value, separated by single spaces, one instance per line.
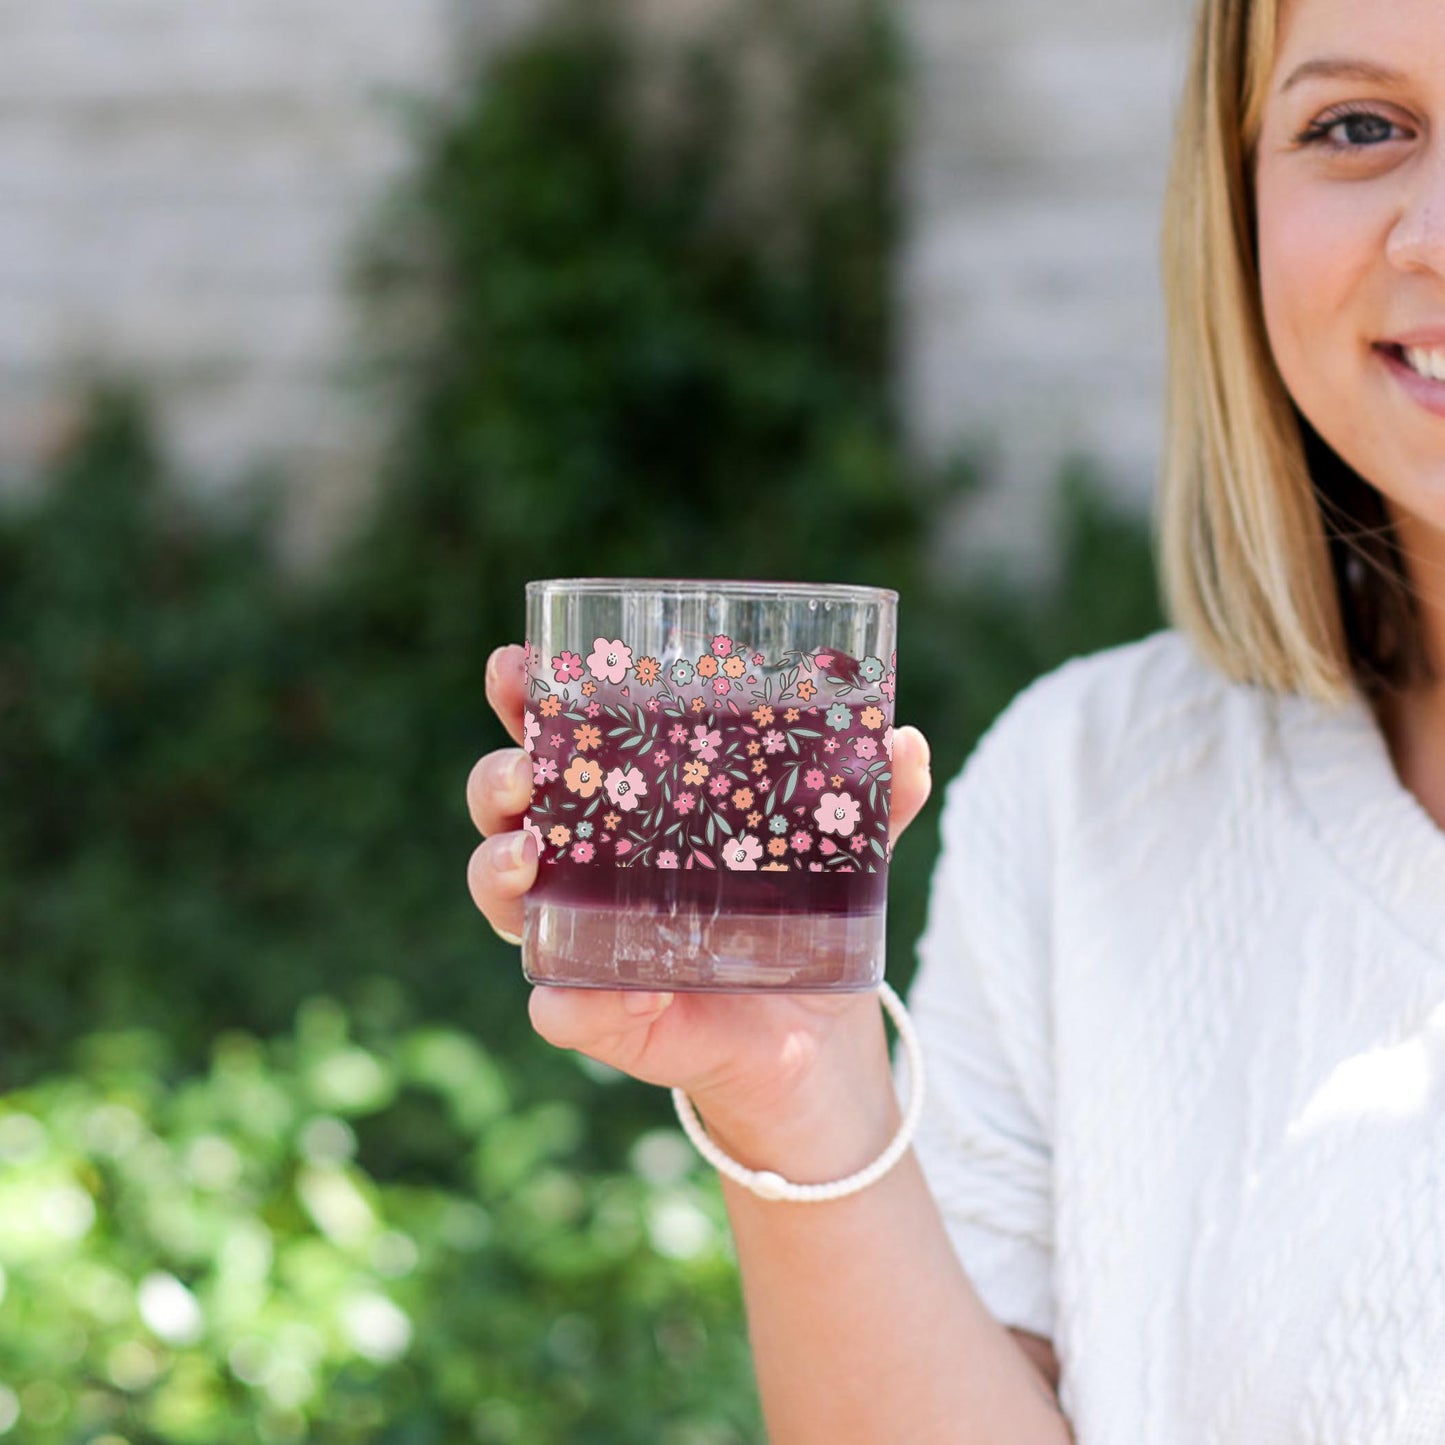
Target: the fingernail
pixel 645 1003
pixel 492 666
pixel 515 858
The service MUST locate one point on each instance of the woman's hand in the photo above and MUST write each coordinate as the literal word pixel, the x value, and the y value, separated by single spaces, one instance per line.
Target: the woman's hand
pixel 744 1058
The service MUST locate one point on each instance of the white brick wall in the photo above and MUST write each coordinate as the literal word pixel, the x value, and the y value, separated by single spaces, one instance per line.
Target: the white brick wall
pixel 181 181
pixel 1033 321
pixel 179 186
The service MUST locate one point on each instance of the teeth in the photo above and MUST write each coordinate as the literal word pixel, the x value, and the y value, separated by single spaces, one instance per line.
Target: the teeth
pixel 1427 362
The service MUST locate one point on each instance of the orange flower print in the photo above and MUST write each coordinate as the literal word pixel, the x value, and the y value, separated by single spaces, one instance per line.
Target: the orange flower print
pixel 791 715
pixel 743 799
pixel 754 748
pixel 774 868
pixel 806 689
pixel 588 688
pixel 707 666
pixel 871 717
pixel 560 836
pixel 550 705
pixel 763 715
pixel 583 776
pixel 647 670
pixel 754 818
pixel 694 772
pixel 611 820
pixel 587 737
pixel 836 780
pixel 734 666
pixel 777 846
pixel 760 765
pixel 698 704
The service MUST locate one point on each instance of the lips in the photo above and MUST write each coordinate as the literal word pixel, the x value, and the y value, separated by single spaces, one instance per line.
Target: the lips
pixel 1426 392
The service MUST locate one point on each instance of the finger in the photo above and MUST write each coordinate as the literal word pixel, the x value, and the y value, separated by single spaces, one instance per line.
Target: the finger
pixel 499 872
pixel 610 1025
pixel 507 687
pixel 499 788
pixel 912 779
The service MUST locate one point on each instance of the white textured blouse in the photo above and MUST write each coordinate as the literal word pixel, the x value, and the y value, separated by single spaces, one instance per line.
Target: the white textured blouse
pixel 1182 1003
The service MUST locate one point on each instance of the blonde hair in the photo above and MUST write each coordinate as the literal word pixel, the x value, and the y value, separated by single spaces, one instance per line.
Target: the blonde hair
pixel 1275 558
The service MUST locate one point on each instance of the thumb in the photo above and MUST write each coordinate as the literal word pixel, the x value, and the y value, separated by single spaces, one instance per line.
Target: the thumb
pixel 912 779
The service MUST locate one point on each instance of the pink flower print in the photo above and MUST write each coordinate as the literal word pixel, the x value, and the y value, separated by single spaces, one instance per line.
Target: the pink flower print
pixel 866 748
pixel 758 659
pixel 623 846
pixel 556 740
pixel 528 826
pixel 846 868
pixel 815 867
pixel 837 813
pixel 859 843
pixel 667 859
pixel 888 687
pixel 773 741
pixel 567 667
pixel 719 685
pixel 814 779
pixel 653 704
pixel 677 733
pixel 721 645
pixel 531 730
pixel 582 852
pixel 684 802
pixel 742 854
pixel 802 841
pixel 719 785
pixel 544 770
pixel 763 784
pixel 871 718
pixel 609 661
pixel 593 709
pixel 827 847
pixel 705 742
pixel 625 786
pixel 660 756
pixel 830 745
pixel 888 744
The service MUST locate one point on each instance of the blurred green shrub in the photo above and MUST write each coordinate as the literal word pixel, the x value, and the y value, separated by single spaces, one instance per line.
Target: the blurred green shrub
pixel 226 791
pixel 230 1257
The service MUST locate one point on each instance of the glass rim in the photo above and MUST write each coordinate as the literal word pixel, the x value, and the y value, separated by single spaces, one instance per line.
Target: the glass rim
pixel 701 587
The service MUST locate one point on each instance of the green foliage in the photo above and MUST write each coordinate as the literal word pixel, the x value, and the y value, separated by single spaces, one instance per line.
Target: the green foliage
pixel 227 792
pixel 220 1259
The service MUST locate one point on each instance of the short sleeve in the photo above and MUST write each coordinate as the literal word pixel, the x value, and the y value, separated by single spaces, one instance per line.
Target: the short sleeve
pixel 980 1003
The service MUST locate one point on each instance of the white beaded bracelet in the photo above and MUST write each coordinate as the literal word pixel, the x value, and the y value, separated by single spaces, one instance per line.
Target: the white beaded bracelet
pixel 768 1185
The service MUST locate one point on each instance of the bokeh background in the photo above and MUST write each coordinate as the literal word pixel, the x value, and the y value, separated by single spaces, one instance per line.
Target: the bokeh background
pixel 326 324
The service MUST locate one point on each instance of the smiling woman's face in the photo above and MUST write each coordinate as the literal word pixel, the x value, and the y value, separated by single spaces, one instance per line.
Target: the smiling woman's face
pixel 1350 195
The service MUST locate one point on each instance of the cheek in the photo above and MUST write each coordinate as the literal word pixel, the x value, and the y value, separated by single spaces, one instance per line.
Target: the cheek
pixel 1315 249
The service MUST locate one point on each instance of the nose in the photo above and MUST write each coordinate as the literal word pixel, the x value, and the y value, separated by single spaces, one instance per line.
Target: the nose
pixel 1417 239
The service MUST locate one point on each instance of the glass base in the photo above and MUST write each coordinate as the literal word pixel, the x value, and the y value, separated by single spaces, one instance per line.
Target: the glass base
pixel 686 950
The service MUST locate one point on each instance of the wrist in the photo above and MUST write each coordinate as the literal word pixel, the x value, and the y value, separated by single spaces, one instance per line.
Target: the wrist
pixel 834 1121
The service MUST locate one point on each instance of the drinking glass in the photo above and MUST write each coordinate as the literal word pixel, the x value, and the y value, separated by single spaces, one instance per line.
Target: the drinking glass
pixel 711 767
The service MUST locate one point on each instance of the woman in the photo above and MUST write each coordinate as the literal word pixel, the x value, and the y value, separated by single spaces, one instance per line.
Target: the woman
pixel 1182 989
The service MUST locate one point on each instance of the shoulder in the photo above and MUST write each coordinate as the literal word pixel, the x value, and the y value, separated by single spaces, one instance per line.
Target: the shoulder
pixel 1111 726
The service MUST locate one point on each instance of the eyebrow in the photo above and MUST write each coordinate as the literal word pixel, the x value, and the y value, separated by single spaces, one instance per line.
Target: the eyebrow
pixel 1330 68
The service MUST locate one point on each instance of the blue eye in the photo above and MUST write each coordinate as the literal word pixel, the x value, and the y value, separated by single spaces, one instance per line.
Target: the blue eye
pixel 1363 129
